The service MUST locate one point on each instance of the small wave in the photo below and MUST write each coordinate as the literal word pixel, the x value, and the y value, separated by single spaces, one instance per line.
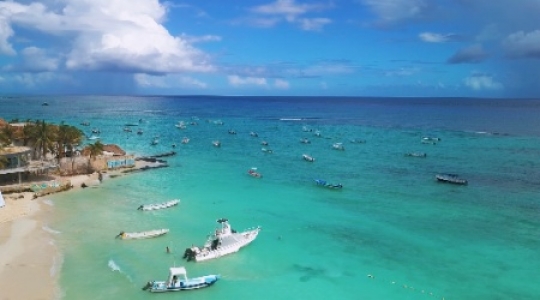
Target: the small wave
pixel 113 266
pixel 290 119
pixel 50 230
pixel 48 202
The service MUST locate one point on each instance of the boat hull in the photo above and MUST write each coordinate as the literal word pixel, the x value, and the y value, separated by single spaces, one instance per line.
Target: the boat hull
pixel 183 285
pixel 243 239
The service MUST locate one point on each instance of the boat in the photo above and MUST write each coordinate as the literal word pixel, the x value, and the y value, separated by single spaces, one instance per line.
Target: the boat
pixel 308 158
pixel 416 154
pixel 317 133
pixel 93 137
pixel 85 123
pixel 264 143
pixel 306 129
pixel 254 134
pixel 45 104
pixel 178 281
pixel 338 146
pixel 232 131
pixel 216 143
pixel 305 141
pixel 140 131
pixel 224 241
pixel 430 140
pixel 155 141
pixel 451 178
pixel 185 140
pixel 253 173
pixel 142 235
pixel 155 206
pixel 127 129
pixel 323 183
pixel 181 125
pixel 266 150
pixel 96 131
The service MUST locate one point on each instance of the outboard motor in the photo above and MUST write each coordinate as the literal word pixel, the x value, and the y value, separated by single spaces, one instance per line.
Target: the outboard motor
pixel 147 286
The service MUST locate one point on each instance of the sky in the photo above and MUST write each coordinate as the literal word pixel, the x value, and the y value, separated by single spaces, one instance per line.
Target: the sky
pixel 410 48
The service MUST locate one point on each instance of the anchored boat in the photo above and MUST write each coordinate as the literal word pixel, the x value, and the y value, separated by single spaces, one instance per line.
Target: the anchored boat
pixel 224 241
pixel 163 205
pixel 178 281
pixel 142 235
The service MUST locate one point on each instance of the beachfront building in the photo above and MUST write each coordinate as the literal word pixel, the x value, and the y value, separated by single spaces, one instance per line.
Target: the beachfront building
pixel 18 166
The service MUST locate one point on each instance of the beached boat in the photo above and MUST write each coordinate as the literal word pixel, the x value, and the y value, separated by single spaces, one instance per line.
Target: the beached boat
pixel 178 281
pixel 253 173
pixel 323 183
pixel 156 206
pixel 338 146
pixel 142 235
pixel 451 178
pixel 308 158
pixel 224 241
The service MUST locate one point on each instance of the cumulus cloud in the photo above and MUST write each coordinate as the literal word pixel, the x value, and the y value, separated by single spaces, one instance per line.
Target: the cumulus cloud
pixel 472 54
pixel 390 12
pixel 269 15
pixel 322 69
pixel 523 45
pixel 107 35
pixel 480 82
pixel 201 39
pixel 237 81
pixel 430 37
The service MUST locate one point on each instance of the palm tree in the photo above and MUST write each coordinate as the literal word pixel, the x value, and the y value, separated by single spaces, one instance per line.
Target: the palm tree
pixel 95 149
pixel 7 135
pixel 28 132
pixel 67 137
pixel 44 137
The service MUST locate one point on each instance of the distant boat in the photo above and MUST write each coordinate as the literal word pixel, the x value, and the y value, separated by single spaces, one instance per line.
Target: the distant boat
pixel 94 137
pixel 232 131
pixel 253 173
pixel 265 150
pixel 181 125
pixel 85 123
pixel 451 178
pixel 96 131
pixel 127 129
pixel 416 154
pixel 308 158
pixel 216 143
pixel 185 140
pixel 264 143
pixel 254 134
pixel 142 235
pixel 338 146
pixel 154 142
pixel 44 104
pixel 175 284
pixel 305 141
pixel 430 140
pixel 140 131
pixel 323 183
pixel 317 133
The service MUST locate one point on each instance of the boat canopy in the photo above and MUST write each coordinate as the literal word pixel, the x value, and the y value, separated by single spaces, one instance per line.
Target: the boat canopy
pixel 175 272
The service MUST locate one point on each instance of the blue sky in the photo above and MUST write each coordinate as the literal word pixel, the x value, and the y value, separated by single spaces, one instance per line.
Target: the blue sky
pixel 464 48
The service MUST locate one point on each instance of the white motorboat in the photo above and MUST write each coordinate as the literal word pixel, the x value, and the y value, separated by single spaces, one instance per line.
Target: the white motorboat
pixel 185 140
pixel 142 235
pixel 156 206
pixel 181 125
pixel 308 158
pixel 178 281
pixel 224 241
pixel 338 146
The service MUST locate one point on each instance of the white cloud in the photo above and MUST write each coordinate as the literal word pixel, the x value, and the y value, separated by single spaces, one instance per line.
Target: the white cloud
pixel 313 24
pixel 289 11
pixel 281 84
pixel 523 45
pixel 201 39
pixel 471 54
pixel 108 35
pixel 395 11
pixel 168 81
pixel 236 80
pixel 321 70
pixel 480 82
pixel 430 37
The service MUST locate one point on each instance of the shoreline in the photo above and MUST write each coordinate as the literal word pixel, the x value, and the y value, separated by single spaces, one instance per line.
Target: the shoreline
pixel 27 249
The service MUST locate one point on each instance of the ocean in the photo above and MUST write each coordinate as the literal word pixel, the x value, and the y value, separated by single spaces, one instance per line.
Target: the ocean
pixel 392 232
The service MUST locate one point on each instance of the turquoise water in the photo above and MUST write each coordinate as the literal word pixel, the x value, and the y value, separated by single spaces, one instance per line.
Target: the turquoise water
pixel 393 232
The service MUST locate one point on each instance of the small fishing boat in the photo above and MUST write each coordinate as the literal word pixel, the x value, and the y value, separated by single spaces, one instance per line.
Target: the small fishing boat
pixel 96 131
pixel 140 131
pixel 323 183
pixel 127 129
pixel 185 140
pixel 338 146
pixel 142 235
pixel 156 206
pixel 45 104
pixel 93 137
pixel 416 154
pixel 317 133
pixel 308 158
pixel 264 143
pixel 266 150
pixel 216 143
pixel 451 178
pixel 254 134
pixel 224 241
pixel 253 173
pixel 305 141
pixel 232 131
pixel 155 141
pixel 430 140
pixel 181 125
pixel 178 281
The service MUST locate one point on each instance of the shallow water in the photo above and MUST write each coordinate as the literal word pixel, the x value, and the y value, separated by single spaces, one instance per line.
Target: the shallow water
pixel 393 232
